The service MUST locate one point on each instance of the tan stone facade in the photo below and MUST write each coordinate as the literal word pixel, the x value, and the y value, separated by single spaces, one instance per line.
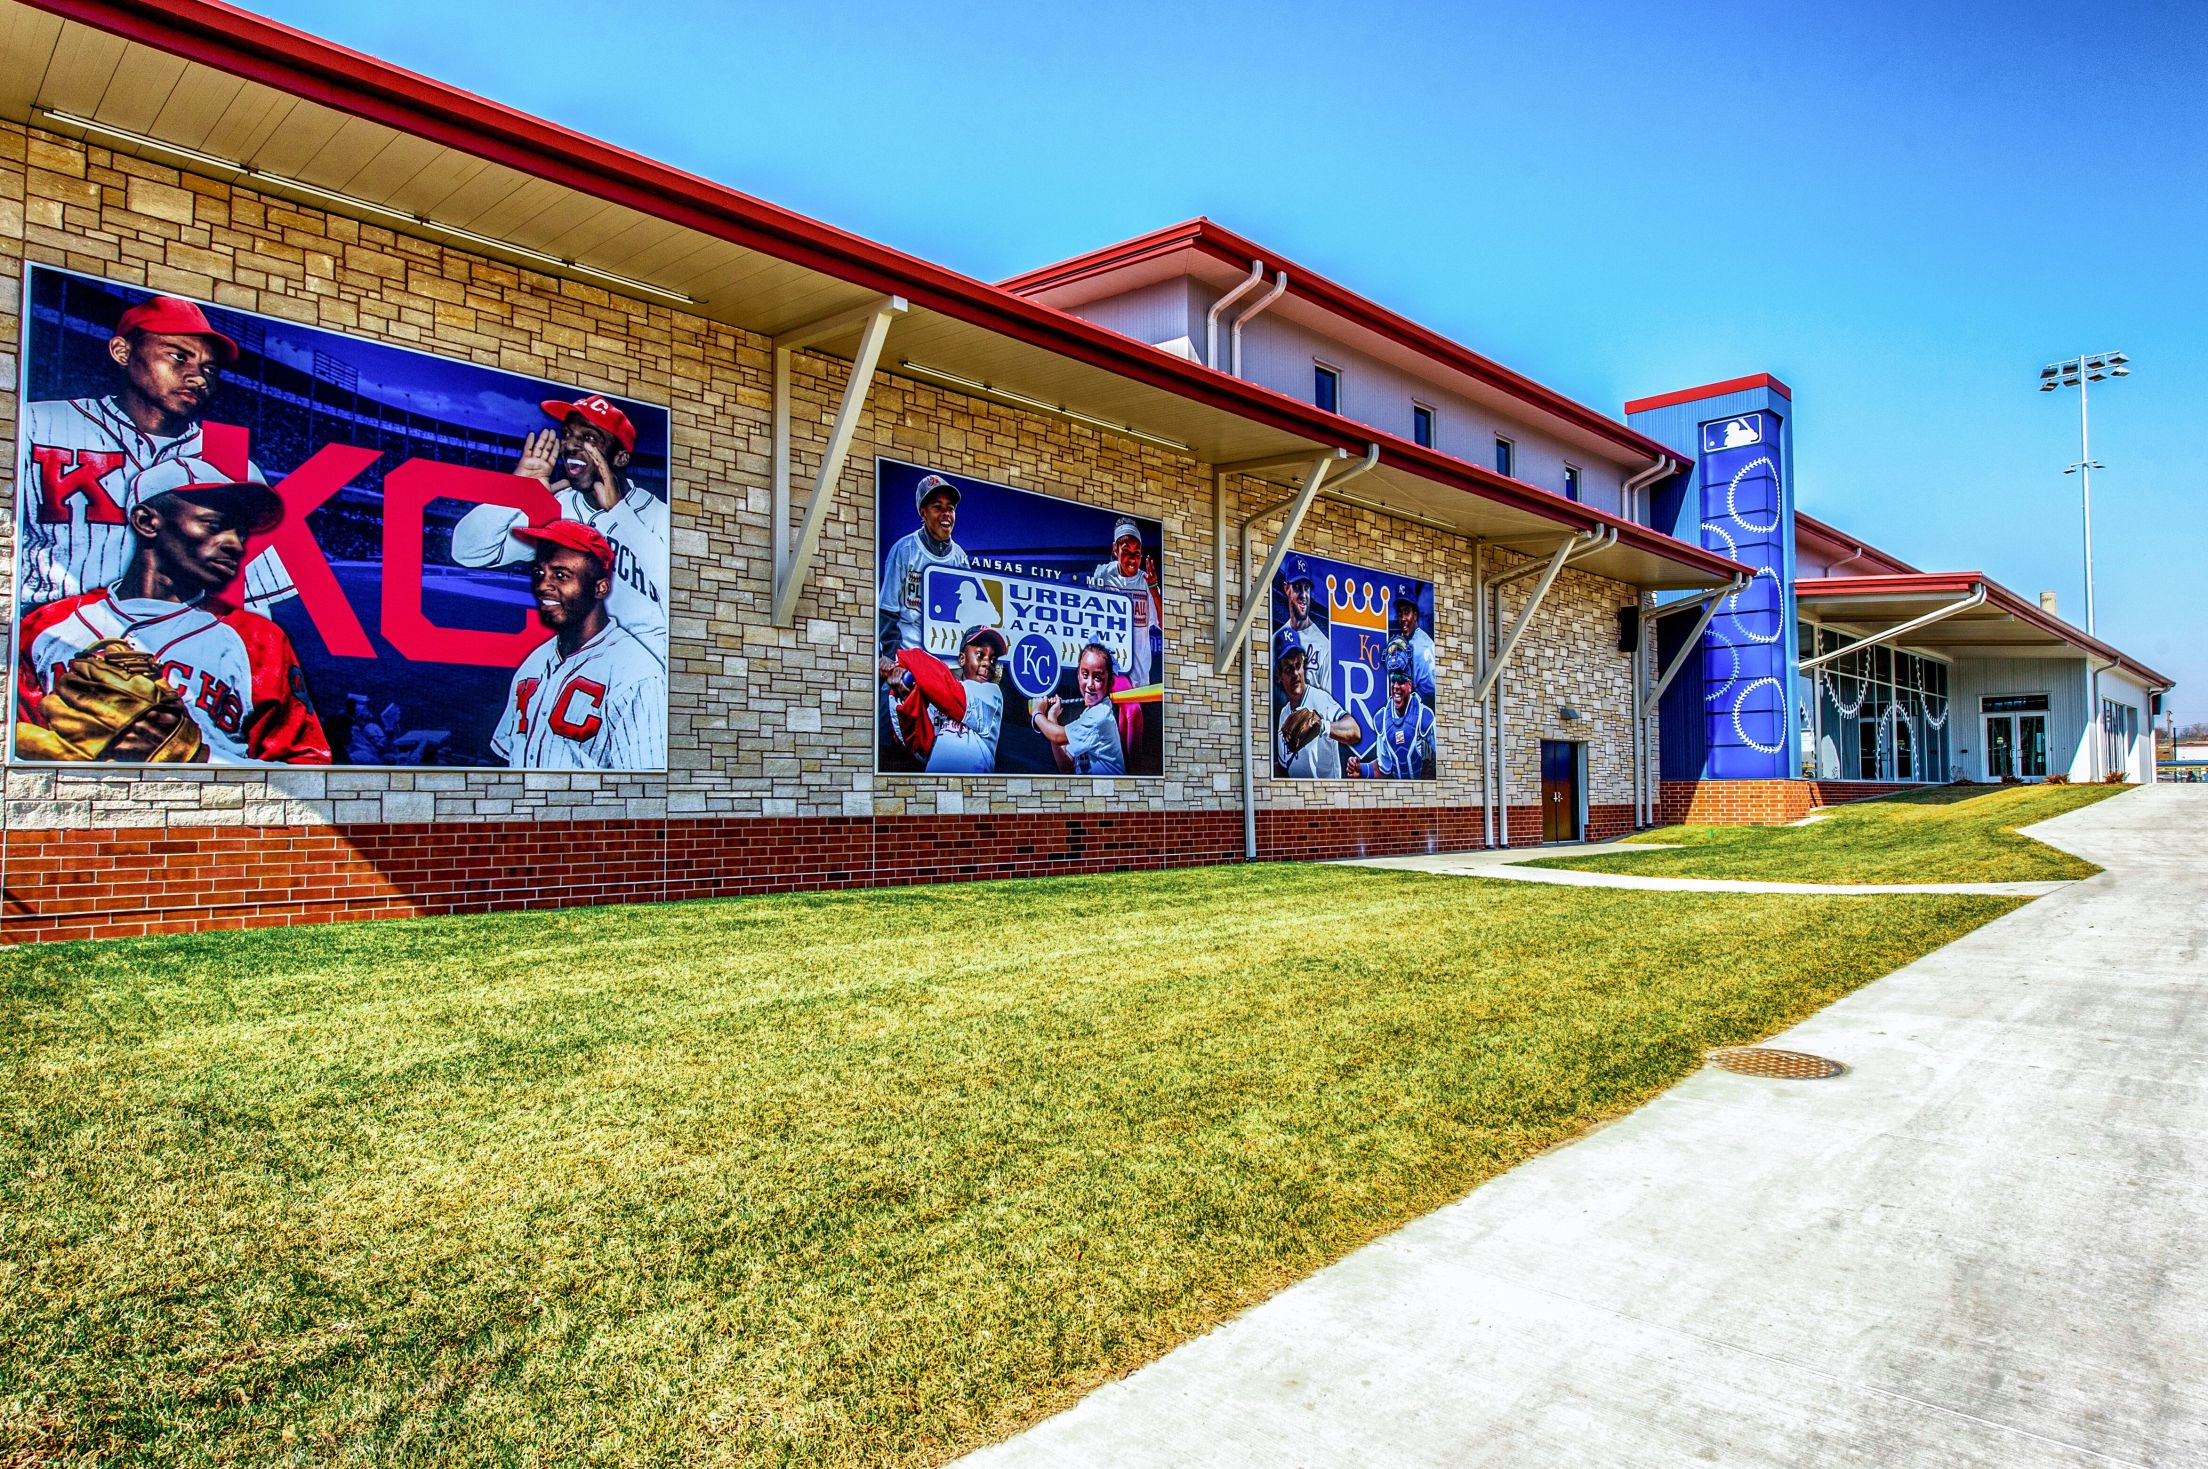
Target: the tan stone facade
pixel 764 722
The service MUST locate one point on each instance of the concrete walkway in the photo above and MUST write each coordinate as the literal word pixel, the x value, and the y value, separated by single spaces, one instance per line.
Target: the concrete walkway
pixel 1505 862
pixel 1983 1245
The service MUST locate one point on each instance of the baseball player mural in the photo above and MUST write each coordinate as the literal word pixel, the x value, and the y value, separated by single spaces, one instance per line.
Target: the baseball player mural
pixel 593 696
pixel 971 572
pixel 582 464
pixel 368 503
pixel 164 363
pixel 152 668
pixel 1348 630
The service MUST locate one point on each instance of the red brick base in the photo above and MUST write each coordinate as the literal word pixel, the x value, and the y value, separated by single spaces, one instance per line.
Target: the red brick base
pixel 117 882
pixel 1760 802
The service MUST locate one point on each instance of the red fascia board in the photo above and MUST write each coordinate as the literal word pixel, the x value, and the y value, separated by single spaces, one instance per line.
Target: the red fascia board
pixel 243 44
pixel 1712 390
pixel 1825 530
pixel 1224 245
pixel 1962 583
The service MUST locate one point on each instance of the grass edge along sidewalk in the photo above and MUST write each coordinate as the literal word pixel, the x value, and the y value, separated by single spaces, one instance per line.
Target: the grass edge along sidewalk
pixel 1939 834
pixel 858 1178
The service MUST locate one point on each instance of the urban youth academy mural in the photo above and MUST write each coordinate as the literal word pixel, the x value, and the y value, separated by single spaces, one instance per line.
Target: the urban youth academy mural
pixel 1353 672
pixel 1016 633
pixel 243 541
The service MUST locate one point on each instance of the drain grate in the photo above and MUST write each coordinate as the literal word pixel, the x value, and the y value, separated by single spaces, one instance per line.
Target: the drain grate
pixel 1765 1061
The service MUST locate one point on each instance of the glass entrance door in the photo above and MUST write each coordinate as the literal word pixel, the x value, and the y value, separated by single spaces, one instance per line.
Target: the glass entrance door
pixel 2000 747
pixel 2016 747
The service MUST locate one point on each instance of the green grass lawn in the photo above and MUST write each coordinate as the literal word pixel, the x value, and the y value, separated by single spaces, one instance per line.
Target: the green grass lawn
pixel 1943 834
pixel 862 1178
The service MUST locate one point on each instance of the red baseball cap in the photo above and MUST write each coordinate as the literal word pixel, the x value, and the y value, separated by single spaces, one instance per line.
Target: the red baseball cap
pixel 572 534
pixel 596 411
pixel 176 317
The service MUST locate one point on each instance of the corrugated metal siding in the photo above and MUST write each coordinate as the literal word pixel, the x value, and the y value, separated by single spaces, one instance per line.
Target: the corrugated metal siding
pixel 1161 313
pixel 2062 680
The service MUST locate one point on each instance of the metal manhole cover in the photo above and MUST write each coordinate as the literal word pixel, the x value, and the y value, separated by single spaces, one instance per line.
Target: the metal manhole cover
pixel 1766 1061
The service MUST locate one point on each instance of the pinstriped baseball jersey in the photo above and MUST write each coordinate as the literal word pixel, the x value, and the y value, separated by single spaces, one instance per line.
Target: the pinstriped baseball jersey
pixel 602 707
pixel 636 528
pixel 236 671
pixel 77 454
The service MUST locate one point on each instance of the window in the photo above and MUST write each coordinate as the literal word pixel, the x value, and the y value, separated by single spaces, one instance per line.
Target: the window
pixel 1422 425
pixel 1506 457
pixel 1326 387
pixel 1571 482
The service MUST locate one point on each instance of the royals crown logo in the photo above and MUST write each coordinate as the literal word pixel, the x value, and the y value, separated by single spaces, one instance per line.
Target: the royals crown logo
pixel 1358 602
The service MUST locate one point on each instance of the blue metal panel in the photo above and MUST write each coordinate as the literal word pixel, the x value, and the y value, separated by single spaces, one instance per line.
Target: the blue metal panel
pixel 1739 501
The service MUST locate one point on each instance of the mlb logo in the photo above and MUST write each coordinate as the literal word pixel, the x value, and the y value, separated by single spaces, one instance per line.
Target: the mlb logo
pixel 1744 432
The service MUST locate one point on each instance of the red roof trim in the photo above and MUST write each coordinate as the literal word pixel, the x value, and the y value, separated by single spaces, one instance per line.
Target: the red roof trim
pixel 1961 583
pixel 1712 390
pixel 241 43
pixel 1223 244
pixel 1838 537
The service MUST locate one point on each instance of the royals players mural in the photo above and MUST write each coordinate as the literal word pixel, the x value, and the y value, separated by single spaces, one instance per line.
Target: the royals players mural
pixel 243 541
pixel 1353 672
pixel 1016 633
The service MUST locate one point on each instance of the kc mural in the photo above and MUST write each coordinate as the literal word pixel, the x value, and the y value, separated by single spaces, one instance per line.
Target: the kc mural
pixel 1353 672
pixel 1016 632
pixel 245 541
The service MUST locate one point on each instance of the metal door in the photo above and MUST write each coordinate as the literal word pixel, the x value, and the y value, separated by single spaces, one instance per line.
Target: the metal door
pixel 1559 791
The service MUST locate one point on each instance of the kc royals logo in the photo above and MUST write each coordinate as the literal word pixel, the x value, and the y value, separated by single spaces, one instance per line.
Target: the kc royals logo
pixel 1357 613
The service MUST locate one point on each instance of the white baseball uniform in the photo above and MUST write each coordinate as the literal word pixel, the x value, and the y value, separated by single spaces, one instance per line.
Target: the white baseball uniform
pixel 636 527
pixel 601 707
pixel 968 746
pixel 1318 668
pixel 1092 741
pixel 236 671
pixel 77 454
pixel 1107 578
pixel 902 572
pixel 1322 758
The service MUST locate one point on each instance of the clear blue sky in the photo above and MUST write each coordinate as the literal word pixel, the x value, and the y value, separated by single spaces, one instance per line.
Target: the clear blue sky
pixel 1902 209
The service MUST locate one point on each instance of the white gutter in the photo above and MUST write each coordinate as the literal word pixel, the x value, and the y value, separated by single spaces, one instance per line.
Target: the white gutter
pixel 1889 634
pixel 1629 492
pixel 1211 317
pixel 1234 333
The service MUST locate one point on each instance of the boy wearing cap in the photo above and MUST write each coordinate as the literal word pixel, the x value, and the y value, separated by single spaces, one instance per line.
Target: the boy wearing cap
pixel 234 672
pixel 897 600
pixel 79 455
pixel 582 464
pixel 1403 745
pixel 949 724
pixel 591 696
pixel 1135 574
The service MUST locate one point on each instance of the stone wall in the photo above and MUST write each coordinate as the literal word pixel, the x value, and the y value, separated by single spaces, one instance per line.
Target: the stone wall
pixel 766 724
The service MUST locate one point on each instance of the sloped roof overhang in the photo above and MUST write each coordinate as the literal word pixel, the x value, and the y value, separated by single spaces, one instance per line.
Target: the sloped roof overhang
pixel 234 87
pixel 2004 625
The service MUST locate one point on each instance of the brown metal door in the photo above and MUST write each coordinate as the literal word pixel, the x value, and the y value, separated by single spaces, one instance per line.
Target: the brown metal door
pixel 1559 791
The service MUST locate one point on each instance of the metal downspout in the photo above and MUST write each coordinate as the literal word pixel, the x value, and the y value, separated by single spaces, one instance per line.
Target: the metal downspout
pixel 1632 488
pixel 1211 317
pixel 1589 542
pixel 1257 309
pixel 1479 645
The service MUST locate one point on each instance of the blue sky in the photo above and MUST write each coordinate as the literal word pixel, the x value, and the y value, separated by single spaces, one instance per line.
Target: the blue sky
pixel 1901 209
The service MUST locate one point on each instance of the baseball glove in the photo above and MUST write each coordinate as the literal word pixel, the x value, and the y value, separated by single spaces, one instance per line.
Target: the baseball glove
pixel 1301 728
pixel 110 703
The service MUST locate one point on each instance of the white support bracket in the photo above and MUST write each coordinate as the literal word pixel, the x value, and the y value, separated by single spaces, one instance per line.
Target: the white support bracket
pixel 1580 543
pixel 1295 507
pixel 791 563
pixel 1897 630
pixel 1710 601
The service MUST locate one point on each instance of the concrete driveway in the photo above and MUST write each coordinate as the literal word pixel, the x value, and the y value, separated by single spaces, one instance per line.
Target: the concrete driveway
pixel 1983 1245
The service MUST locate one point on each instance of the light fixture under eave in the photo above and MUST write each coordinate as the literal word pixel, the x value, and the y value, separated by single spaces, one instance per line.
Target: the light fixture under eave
pixel 982 389
pixel 353 201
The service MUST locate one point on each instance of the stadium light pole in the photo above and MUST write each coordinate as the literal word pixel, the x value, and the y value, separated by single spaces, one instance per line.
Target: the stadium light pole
pixel 2076 373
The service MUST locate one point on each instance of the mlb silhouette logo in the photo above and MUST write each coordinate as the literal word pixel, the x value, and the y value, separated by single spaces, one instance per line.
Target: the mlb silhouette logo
pixel 1744 432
